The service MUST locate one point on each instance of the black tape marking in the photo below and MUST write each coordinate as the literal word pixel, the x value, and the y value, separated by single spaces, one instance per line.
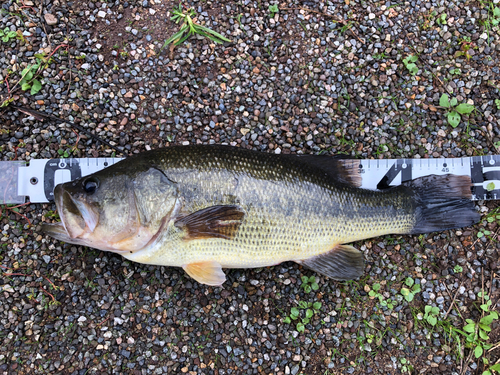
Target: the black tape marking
pixel 72 165
pixel 393 172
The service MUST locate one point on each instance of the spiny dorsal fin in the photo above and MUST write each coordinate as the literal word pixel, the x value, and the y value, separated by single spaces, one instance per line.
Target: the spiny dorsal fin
pixel 209 272
pixel 343 262
pixel 214 221
pixel 346 171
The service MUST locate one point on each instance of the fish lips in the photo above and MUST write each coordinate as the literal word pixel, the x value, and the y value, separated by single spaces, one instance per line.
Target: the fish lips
pixel 77 216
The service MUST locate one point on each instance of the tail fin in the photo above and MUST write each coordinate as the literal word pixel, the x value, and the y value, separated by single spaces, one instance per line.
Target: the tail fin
pixel 443 202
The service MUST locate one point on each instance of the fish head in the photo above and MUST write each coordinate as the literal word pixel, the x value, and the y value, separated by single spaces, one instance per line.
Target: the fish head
pixel 117 209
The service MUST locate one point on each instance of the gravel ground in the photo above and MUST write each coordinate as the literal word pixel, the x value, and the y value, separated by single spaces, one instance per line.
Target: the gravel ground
pixel 318 77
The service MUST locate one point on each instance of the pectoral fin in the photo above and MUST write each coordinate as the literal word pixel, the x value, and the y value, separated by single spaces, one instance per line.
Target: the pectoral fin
pixel 343 262
pixel 214 221
pixel 209 273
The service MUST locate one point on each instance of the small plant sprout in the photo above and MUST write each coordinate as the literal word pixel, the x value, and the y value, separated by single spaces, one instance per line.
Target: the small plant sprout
pixel 308 308
pixel 497 103
pixel 431 314
pixel 309 284
pixel 477 333
pixel 458 269
pixel 409 62
pixel 441 20
pixel 456 71
pixel 409 293
pixel 455 111
pixel 465 46
pixel 190 27
pixel 6 35
pixel 273 9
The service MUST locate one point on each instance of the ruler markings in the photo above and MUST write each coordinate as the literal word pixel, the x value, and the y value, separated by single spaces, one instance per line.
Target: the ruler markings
pixel 34 180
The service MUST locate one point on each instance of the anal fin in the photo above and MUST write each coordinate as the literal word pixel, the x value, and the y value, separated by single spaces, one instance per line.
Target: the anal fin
pixel 343 262
pixel 209 272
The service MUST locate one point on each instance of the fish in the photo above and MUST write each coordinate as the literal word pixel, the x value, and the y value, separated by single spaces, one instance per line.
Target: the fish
pixel 206 208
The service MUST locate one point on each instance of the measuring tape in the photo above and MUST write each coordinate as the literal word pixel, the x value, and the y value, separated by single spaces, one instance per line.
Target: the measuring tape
pixel 38 179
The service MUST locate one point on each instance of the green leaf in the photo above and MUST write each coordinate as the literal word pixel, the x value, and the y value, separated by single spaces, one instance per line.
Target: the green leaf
pixel 317 305
pixel 428 309
pixel 495 367
pixel 28 76
pixel 496 13
pixel 465 108
pixel 25 86
pixel 312 279
pixel 287 320
pixel 486 321
pixel 376 287
pixel 435 310
pixel 458 269
pixel 304 279
pixel 453 102
pixel 454 118
pixel 485 306
pixel 410 297
pixel 294 311
pixel 471 327
pixel 409 281
pixel 314 286
pixel 478 352
pixel 307 288
pixel 37 86
pixel 303 304
pixel 412 68
pixel 300 327
pixel 405 292
pixel 483 335
pixel 309 313
pixel 416 288
pixel 432 320
pixel 444 101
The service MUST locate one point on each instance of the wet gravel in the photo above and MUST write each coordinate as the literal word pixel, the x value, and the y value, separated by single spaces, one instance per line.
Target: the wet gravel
pixel 317 77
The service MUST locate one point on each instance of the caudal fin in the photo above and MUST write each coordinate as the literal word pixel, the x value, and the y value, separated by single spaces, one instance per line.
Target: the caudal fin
pixel 443 202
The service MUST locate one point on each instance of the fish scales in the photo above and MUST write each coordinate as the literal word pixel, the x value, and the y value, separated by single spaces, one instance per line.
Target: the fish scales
pixel 237 208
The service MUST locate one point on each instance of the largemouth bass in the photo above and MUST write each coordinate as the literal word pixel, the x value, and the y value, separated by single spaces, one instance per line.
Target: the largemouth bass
pixel 205 208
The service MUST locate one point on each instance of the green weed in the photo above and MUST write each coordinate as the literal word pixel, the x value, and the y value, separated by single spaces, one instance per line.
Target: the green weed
pixel 431 314
pixel 7 35
pixel 441 20
pixel 309 284
pixel 458 269
pixel 477 333
pixel 409 293
pixel 273 9
pixel 455 111
pixel 409 62
pixel 189 28
pixel 304 312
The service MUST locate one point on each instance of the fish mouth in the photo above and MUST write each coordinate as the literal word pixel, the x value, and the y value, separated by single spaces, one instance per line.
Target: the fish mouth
pixel 77 217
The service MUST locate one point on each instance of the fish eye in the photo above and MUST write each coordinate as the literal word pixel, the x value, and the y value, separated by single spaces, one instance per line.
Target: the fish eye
pixel 90 185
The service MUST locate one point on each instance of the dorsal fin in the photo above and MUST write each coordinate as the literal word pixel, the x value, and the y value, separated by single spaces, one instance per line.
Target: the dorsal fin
pixel 336 167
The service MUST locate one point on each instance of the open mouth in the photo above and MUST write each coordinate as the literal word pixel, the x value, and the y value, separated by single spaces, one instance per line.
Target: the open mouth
pixel 77 217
